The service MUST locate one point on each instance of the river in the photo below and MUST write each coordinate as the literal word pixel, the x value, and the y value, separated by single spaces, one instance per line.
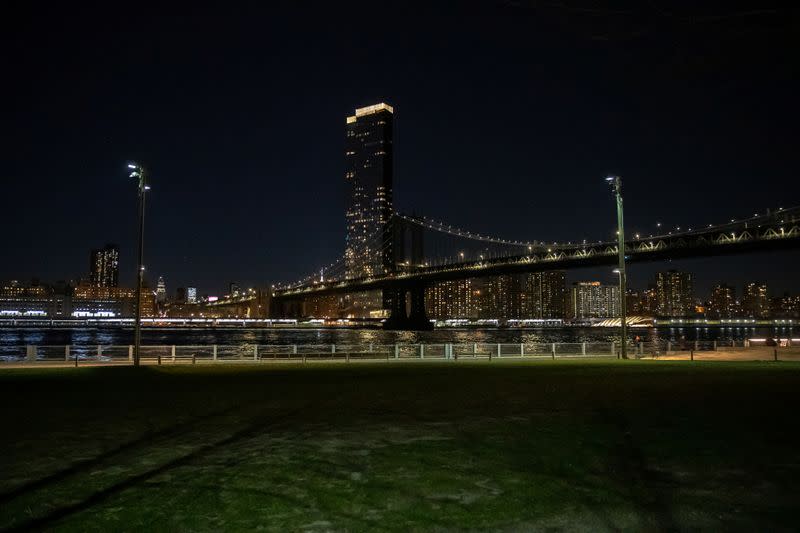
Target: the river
pixel 12 339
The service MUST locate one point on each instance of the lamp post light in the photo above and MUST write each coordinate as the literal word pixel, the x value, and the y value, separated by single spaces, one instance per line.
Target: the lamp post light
pixel 616 185
pixel 137 171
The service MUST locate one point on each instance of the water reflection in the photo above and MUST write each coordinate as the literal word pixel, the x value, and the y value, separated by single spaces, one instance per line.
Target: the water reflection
pixel 17 337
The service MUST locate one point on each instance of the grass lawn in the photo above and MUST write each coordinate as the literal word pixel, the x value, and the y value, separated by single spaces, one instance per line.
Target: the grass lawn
pixel 644 445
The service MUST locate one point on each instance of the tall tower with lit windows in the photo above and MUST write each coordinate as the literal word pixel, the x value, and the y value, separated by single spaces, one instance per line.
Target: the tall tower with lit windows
pixel 675 293
pixel 369 156
pixel 368 174
pixel 104 266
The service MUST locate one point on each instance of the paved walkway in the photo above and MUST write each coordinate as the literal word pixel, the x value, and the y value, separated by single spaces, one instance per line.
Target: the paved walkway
pixel 760 353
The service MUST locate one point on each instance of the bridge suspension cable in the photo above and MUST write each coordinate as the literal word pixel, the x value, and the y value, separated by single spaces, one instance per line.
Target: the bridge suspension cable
pixel 376 245
pixel 441 227
pixel 338 269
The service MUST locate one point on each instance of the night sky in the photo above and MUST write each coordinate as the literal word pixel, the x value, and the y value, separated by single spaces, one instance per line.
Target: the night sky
pixel 508 116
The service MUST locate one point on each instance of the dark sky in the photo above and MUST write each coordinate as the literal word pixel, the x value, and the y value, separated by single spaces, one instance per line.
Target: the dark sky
pixel 508 116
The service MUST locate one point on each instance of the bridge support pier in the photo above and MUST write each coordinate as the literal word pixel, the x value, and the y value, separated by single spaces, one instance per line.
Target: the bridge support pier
pixel 397 312
pixel 417 319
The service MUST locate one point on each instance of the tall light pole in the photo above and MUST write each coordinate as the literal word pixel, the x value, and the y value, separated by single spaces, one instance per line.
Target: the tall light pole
pixel 137 171
pixel 616 185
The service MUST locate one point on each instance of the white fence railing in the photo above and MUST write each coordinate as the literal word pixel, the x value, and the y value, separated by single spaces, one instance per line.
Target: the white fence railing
pixel 166 354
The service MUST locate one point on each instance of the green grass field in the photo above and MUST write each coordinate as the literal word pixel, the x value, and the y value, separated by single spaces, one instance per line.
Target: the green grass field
pixel 426 446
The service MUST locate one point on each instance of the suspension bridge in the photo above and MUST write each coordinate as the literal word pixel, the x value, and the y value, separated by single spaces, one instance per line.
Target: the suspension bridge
pixel 412 253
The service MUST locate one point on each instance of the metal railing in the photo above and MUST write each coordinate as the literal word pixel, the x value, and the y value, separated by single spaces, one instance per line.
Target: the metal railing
pixel 168 354
pixel 173 354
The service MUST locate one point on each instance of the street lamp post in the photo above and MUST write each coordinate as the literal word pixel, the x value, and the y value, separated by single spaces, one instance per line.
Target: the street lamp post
pixel 616 185
pixel 137 171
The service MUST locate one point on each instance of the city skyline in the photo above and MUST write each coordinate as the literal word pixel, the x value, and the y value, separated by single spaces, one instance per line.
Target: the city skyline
pixel 534 296
pixel 524 147
pixel 349 266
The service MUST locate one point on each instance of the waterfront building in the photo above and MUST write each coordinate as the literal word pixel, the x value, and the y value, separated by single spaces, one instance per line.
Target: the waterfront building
pixel 543 294
pixel 62 301
pixel 453 299
pixel 650 300
pixel 501 297
pixel 33 300
pixel 723 302
pixel 369 161
pixel 591 299
pixel 553 293
pixel 675 293
pixel 642 302
pixel 755 300
pixel 785 307
pixel 104 266
pixel 191 295
pixel 90 301
pixel 326 307
pixel 534 295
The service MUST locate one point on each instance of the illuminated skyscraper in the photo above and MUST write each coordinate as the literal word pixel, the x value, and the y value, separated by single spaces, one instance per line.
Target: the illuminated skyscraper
pixel 502 297
pixel 534 295
pixel 544 294
pixel 191 295
pixel 453 299
pixel 161 291
pixel 104 266
pixel 723 301
pixel 755 301
pixel 368 174
pixel 590 299
pixel 675 292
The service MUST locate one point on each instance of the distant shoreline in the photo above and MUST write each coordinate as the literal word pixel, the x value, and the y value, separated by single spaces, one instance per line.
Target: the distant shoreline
pixel 194 327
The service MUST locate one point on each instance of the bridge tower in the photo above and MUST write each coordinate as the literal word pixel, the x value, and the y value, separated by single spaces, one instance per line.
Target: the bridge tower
pixel 406 301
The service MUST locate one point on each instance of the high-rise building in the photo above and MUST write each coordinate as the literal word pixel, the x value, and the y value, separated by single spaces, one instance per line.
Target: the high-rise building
pixel 104 266
pixel 675 293
pixel 649 303
pixel 723 302
pixel 368 174
pixel 552 293
pixel 453 299
pixel 161 291
pixel 755 301
pixel 634 302
pixel 642 302
pixel 785 307
pixel 591 299
pixel 501 297
pixel 541 294
pixel 191 295
pixel 535 295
